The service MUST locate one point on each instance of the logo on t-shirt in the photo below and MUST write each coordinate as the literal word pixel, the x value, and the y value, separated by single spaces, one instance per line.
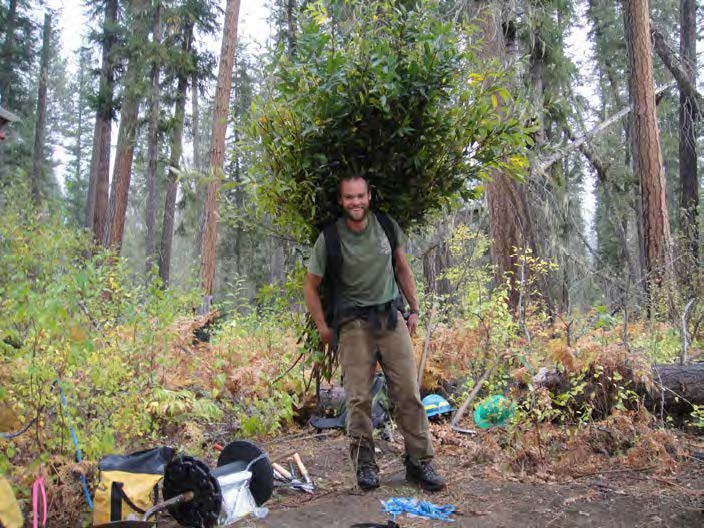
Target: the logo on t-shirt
pixel 384 246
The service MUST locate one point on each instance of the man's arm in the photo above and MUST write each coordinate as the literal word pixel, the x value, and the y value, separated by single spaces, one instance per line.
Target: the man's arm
pixel 312 297
pixel 404 276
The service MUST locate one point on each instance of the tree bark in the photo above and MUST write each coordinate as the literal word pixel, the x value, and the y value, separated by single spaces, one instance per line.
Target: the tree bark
pixel 217 150
pixel 167 229
pixel 80 97
pixel 689 115
pixel 122 170
pixel 7 53
pixel 195 118
pixel 647 154
pixel 97 201
pixel 436 260
pixel 153 145
pixel 40 127
pixel 291 26
pixel 508 215
pixel 537 66
pixel 680 69
pixel 691 104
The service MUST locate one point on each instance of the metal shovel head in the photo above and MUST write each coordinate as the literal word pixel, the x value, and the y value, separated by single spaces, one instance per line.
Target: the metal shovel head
pixel 459 429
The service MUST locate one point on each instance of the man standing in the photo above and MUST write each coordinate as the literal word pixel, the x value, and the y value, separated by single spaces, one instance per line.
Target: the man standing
pixel 6 117
pixel 369 328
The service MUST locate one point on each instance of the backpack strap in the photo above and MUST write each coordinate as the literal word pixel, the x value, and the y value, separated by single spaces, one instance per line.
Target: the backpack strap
pixel 388 227
pixel 330 286
pixel 333 251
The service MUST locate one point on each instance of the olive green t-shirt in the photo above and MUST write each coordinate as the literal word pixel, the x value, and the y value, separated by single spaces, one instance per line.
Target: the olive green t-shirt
pixel 367 277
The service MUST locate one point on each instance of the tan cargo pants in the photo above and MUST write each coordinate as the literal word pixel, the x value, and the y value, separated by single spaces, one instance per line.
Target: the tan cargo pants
pixel 360 348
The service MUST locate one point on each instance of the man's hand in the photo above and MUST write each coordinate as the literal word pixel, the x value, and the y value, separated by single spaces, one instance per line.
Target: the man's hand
pixel 312 297
pixel 412 323
pixel 325 334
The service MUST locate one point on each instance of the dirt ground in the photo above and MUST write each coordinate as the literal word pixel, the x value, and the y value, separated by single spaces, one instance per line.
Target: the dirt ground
pixel 483 496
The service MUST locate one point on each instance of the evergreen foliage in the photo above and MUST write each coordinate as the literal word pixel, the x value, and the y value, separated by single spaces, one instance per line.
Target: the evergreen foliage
pixel 79 118
pixel 19 52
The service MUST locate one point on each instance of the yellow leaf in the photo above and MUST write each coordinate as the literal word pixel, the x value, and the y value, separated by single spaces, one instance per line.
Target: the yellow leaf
pixel 77 333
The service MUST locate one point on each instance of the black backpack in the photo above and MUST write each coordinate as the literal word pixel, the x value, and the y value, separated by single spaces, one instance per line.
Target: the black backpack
pixel 381 409
pixel 329 287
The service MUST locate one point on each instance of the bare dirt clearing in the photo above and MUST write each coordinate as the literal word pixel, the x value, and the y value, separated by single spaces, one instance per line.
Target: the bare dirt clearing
pixel 485 497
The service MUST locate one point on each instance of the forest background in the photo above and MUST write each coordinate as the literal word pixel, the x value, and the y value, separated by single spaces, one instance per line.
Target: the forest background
pixel 148 198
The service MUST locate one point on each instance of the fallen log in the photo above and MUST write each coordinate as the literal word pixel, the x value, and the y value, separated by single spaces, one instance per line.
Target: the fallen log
pixel 676 388
pixel 673 388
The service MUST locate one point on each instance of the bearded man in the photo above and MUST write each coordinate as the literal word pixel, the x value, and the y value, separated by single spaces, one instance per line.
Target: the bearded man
pixel 362 256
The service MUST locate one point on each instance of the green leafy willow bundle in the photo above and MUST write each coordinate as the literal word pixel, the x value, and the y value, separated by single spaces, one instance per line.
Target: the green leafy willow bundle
pixel 396 94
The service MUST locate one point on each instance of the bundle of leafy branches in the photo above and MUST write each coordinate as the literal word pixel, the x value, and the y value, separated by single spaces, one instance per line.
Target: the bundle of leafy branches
pixel 394 93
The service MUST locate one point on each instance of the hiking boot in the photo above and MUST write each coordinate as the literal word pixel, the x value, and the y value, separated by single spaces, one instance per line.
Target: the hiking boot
pixel 424 473
pixel 367 477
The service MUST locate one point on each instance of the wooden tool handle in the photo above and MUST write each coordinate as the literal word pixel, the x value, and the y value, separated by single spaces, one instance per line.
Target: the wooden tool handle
pixel 301 467
pixel 283 472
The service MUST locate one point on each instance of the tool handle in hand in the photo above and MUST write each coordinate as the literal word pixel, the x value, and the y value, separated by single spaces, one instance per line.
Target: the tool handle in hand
pixel 301 467
pixel 283 472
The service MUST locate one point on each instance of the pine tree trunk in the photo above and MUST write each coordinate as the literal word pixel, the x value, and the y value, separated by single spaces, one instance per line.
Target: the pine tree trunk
pixel 7 54
pixel 689 184
pixel 509 221
pixel 508 225
pixel 153 146
pixel 217 150
pixel 195 118
pixel 199 162
pixel 82 81
pixel 40 127
pixel 647 154
pixel 436 260
pixel 537 66
pixel 291 26
pixel 602 13
pixel 124 156
pixel 97 201
pixel 167 229
pixel 535 194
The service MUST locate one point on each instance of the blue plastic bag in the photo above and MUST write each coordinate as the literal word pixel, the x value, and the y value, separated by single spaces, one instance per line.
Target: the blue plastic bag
pixel 396 506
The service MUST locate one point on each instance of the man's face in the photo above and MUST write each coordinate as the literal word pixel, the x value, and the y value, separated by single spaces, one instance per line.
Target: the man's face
pixel 3 129
pixel 354 198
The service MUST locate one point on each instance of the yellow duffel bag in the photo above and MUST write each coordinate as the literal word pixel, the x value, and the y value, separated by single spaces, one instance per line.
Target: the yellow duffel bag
pixel 128 484
pixel 10 513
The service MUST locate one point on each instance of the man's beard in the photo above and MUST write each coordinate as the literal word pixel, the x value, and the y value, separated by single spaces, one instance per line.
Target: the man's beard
pixel 349 216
